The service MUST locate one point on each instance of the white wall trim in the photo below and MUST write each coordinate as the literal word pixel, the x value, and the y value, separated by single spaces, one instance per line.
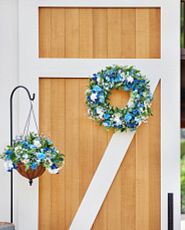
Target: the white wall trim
pixel 167 68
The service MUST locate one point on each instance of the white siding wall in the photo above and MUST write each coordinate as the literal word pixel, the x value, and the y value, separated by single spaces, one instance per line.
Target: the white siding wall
pixel 8 79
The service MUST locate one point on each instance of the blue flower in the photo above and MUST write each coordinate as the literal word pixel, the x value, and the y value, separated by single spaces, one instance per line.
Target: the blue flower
pixel 8 152
pixel 128 117
pixel 106 123
pixel 15 166
pixel 106 116
pixel 118 78
pixel 135 112
pixel 112 79
pixel 33 166
pixel 53 166
pixel 25 144
pixel 96 88
pixel 127 86
pixel 94 77
pixel 41 156
pixel 8 157
pixel 132 125
pixel 46 149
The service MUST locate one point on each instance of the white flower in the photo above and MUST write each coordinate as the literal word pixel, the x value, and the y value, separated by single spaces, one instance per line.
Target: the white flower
pixel 100 112
pixel 8 165
pixel 130 103
pixel 98 79
pixel 18 148
pixel 117 119
pixel 25 156
pixel 53 171
pixel 130 79
pixel 37 143
pixel 93 96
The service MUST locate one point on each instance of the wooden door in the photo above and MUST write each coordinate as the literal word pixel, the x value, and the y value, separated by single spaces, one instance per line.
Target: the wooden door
pixel 133 201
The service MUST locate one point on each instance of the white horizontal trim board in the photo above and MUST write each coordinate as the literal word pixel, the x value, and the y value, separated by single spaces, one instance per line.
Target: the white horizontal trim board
pixel 104 177
pixel 166 68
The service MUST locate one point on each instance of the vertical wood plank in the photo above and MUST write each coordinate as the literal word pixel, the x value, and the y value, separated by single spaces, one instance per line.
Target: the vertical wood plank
pixel 45 180
pixel 142 33
pixel 72 49
pixel 85 143
pixel 72 148
pixel 154 163
pixel 58 137
pixel 86 33
pixel 154 26
pixel 114 33
pixel 128 33
pixel 142 177
pixel 57 33
pixel 100 30
pixel 128 188
pixel 44 32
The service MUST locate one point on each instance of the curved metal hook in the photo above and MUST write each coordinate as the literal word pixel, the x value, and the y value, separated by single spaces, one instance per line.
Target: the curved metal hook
pixel 28 92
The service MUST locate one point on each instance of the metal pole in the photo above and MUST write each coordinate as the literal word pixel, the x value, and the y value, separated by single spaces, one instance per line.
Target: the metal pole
pixel 11 141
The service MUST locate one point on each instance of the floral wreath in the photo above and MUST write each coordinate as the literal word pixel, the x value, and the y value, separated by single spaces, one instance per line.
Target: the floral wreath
pixel 127 78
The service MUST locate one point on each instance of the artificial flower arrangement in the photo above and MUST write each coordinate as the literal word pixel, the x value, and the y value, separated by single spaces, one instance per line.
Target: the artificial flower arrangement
pixel 32 152
pixel 126 78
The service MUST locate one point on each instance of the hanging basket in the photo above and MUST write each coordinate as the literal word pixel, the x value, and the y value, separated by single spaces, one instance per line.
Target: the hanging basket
pixel 30 173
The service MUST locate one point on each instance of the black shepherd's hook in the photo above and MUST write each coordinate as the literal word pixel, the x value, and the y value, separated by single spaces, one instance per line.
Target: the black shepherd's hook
pixel 31 98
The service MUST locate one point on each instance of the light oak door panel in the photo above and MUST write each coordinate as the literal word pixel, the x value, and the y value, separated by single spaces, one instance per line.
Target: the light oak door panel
pixel 99 32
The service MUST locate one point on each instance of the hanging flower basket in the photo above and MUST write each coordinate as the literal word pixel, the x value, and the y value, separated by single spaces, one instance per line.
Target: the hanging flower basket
pixel 31 155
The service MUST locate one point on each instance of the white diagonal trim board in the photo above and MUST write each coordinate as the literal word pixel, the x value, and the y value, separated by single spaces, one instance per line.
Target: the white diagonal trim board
pixel 103 177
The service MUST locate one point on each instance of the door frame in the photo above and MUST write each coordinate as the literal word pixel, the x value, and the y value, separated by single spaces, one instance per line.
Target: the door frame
pixel 167 68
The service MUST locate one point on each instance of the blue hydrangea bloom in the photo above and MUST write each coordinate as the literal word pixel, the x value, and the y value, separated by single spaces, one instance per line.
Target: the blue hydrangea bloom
pixel 41 156
pixel 106 116
pixel 34 166
pixel 97 88
pixel 118 78
pixel 8 152
pixel 25 144
pixel 53 166
pixel 106 123
pixel 128 117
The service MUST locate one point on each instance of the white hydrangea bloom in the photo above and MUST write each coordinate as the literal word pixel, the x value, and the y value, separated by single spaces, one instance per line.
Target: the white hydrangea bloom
pixel 25 156
pixel 53 171
pixel 117 118
pixel 8 165
pixel 100 112
pixel 37 143
pixel 93 96
pixel 130 103
pixel 130 79
pixel 18 148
